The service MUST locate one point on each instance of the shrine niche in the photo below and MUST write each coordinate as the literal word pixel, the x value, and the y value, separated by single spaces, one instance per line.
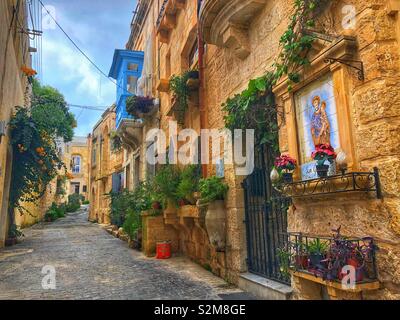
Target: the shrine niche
pixel 317 109
pixel 317 122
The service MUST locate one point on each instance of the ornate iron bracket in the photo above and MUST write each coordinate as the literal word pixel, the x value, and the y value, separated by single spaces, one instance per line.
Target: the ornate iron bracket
pixel 355 64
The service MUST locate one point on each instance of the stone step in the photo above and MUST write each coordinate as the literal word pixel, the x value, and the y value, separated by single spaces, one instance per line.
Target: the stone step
pixel 263 288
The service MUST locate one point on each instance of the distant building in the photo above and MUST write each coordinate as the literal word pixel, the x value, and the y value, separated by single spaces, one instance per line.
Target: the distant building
pixel 105 167
pixel 76 158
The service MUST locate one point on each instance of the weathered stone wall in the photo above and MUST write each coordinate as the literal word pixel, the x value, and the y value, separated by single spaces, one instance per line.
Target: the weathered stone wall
pixel 155 230
pixel 374 126
pixel 100 172
pixel 13 86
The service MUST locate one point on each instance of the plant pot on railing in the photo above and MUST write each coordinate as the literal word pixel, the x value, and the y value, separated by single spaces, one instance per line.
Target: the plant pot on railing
pixel 324 155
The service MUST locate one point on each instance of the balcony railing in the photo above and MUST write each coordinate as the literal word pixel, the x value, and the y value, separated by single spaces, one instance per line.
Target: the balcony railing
pixel 330 258
pixel 366 182
pixel 138 20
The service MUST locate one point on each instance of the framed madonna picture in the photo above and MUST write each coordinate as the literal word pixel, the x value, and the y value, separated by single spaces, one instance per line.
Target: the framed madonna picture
pixel 317 121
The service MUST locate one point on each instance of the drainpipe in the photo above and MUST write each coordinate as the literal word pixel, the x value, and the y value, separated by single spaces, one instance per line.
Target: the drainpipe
pixel 202 107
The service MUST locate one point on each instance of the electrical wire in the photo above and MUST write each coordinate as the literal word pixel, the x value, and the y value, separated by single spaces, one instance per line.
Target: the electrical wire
pixel 79 49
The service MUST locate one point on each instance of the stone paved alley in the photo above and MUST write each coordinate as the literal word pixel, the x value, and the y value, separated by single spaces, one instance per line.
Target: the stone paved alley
pixel 91 264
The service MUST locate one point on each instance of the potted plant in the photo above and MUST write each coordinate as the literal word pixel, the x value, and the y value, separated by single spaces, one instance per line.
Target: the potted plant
pixel 301 257
pixel 317 251
pixel 213 191
pixel 322 154
pixel 137 105
pixel 285 164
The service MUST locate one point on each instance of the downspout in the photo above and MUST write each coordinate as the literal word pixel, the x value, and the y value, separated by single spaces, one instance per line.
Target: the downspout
pixel 202 108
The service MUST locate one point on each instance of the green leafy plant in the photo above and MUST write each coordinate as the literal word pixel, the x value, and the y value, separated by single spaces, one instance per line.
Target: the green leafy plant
pixel 137 201
pixel 60 189
pixel 15 232
pixel 33 133
pixel 178 86
pixel 255 107
pixel 189 184
pixel 132 223
pixel 317 247
pixel 212 189
pixel 284 257
pixel 86 202
pixel 55 212
pixel 166 184
pixel 116 142
pixel 74 202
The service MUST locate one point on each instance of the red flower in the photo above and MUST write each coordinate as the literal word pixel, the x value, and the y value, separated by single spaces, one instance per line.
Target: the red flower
pixel 285 162
pixel 324 150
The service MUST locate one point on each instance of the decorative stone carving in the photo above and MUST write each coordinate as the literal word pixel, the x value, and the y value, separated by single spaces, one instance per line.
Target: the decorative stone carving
pixel 131 133
pixel 225 23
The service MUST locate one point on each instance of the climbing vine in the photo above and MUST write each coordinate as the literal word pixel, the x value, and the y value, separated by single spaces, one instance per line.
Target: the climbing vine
pixel 36 161
pixel 255 107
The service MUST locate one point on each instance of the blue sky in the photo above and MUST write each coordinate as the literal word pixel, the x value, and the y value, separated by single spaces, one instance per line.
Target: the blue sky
pixel 98 27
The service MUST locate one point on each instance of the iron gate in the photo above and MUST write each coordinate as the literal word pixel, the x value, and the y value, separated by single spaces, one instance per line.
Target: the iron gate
pixel 266 220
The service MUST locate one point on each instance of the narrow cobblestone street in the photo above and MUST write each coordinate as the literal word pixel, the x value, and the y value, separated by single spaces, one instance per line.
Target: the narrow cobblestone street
pixel 91 264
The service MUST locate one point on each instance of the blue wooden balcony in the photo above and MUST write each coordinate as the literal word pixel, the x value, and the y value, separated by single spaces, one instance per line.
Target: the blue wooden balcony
pixel 126 69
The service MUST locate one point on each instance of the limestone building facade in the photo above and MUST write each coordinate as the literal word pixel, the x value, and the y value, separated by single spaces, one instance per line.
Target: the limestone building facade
pixel 13 91
pixel 353 67
pixel 76 158
pixel 105 165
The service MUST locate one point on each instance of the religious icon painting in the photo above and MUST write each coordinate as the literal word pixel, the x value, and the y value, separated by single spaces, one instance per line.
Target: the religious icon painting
pixel 316 116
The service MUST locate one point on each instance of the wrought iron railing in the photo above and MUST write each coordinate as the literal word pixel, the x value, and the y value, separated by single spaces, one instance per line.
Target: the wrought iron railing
pixel 330 258
pixel 162 12
pixel 347 182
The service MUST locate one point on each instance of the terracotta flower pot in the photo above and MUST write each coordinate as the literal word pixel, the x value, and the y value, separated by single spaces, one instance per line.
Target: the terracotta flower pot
pixel 302 261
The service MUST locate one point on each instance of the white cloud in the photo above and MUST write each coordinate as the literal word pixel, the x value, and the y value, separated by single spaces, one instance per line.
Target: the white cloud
pixel 72 68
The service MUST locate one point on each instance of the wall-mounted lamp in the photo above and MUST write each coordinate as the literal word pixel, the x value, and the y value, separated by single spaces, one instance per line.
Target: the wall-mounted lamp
pixel 341 161
pixel 2 129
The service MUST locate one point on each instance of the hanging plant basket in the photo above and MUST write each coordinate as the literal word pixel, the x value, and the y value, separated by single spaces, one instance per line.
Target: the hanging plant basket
pixel 138 106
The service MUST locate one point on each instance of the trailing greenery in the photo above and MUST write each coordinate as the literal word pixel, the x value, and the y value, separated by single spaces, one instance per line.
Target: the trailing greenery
pixel 213 188
pixel 255 107
pixel 189 183
pixel 116 142
pixel 36 161
pixel 55 212
pixel 178 86
pixel 60 189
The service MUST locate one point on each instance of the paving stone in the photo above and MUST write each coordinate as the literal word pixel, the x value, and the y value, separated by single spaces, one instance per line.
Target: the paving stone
pixel 92 264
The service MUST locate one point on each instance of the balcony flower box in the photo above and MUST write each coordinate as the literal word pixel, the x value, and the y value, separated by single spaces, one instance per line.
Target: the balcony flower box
pixel 139 107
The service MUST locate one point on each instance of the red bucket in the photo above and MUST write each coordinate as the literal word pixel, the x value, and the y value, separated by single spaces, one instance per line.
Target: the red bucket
pixel 163 250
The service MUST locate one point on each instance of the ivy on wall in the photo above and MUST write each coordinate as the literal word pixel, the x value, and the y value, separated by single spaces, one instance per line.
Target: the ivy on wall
pixel 36 161
pixel 255 107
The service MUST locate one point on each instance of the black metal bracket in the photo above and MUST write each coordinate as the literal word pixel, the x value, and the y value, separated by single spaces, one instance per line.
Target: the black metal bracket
pixel 355 64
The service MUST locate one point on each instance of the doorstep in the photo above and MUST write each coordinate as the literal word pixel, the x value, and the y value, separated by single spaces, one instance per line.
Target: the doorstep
pixel 263 288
